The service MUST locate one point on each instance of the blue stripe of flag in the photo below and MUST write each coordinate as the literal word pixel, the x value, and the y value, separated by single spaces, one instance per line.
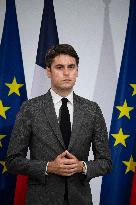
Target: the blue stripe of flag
pixel 48 33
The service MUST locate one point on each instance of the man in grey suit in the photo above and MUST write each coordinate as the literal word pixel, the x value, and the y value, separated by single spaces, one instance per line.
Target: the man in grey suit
pixel 59 129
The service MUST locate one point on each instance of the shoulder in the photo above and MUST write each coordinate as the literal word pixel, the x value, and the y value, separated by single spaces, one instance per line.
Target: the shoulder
pixel 85 102
pixel 35 103
pixel 88 106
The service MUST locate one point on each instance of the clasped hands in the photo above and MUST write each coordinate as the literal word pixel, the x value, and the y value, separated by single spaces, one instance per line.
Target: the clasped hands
pixel 65 164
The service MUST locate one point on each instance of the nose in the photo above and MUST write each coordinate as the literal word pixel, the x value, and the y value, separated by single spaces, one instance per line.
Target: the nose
pixel 65 71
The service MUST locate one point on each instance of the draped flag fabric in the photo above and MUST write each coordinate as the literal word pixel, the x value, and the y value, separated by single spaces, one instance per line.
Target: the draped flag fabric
pixel 48 37
pixel 116 186
pixel 133 191
pixel 12 94
pixel 21 189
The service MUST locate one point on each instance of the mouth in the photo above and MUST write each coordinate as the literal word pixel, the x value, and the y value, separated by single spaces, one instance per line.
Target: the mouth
pixel 66 80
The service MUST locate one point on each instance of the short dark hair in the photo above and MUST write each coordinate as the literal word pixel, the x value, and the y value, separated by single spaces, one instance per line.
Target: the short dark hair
pixel 57 50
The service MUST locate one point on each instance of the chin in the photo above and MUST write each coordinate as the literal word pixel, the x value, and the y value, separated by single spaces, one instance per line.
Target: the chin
pixel 66 87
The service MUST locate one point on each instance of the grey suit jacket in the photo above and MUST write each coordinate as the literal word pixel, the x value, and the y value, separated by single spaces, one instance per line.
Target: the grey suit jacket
pixel 37 127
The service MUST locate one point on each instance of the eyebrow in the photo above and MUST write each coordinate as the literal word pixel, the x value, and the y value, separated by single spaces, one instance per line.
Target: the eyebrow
pixel 72 65
pixel 68 64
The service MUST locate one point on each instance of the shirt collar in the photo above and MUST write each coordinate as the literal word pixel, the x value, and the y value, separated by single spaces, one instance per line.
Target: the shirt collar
pixel 57 98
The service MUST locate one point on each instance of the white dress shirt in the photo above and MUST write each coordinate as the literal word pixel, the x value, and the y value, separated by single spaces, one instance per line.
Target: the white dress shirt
pixel 57 104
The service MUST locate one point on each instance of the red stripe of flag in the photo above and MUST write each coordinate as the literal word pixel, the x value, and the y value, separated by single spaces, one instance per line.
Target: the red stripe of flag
pixel 21 188
pixel 133 191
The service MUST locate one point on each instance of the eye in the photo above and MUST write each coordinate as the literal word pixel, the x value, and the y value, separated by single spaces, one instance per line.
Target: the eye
pixel 71 67
pixel 59 67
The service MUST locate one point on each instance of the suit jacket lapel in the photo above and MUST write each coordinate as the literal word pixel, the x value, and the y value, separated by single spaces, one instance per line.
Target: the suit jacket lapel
pixel 77 120
pixel 51 117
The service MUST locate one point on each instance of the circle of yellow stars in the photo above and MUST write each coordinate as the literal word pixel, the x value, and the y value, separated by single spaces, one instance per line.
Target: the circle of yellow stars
pixel 13 88
pixel 120 137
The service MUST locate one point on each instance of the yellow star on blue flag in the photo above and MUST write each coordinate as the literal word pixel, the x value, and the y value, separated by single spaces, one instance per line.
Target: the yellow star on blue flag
pixel 134 89
pixel 1 137
pixel 131 165
pixel 3 110
pixel 14 87
pixel 120 138
pixel 124 110
pixel 3 163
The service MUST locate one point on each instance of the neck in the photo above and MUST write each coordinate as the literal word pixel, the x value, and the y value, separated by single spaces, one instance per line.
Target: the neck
pixel 62 93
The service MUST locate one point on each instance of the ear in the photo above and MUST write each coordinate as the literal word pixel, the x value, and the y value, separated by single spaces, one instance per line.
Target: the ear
pixel 48 72
pixel 77 72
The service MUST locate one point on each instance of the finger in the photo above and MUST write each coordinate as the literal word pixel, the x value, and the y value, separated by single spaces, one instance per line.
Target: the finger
pixel 68 167
pixel 70 171
pixel 63 154
pixel 69 155
pixel 68 161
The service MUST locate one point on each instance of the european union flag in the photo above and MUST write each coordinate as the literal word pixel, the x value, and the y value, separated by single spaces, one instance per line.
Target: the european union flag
pixel 116 186
pixel 12 94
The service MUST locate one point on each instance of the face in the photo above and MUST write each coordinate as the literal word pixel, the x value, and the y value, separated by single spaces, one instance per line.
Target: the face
pixel 63 73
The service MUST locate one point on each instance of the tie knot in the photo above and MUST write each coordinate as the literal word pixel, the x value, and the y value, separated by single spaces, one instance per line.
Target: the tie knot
pixel 64 100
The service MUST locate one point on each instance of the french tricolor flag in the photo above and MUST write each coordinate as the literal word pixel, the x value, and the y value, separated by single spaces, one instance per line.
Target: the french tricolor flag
pixel 48 37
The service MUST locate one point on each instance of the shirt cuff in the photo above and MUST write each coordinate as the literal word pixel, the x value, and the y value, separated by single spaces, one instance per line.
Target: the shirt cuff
pixel 46 168
pixel 84 168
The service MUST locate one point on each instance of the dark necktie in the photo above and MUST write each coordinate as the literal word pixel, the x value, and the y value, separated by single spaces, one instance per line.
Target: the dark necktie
pixel 65 125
